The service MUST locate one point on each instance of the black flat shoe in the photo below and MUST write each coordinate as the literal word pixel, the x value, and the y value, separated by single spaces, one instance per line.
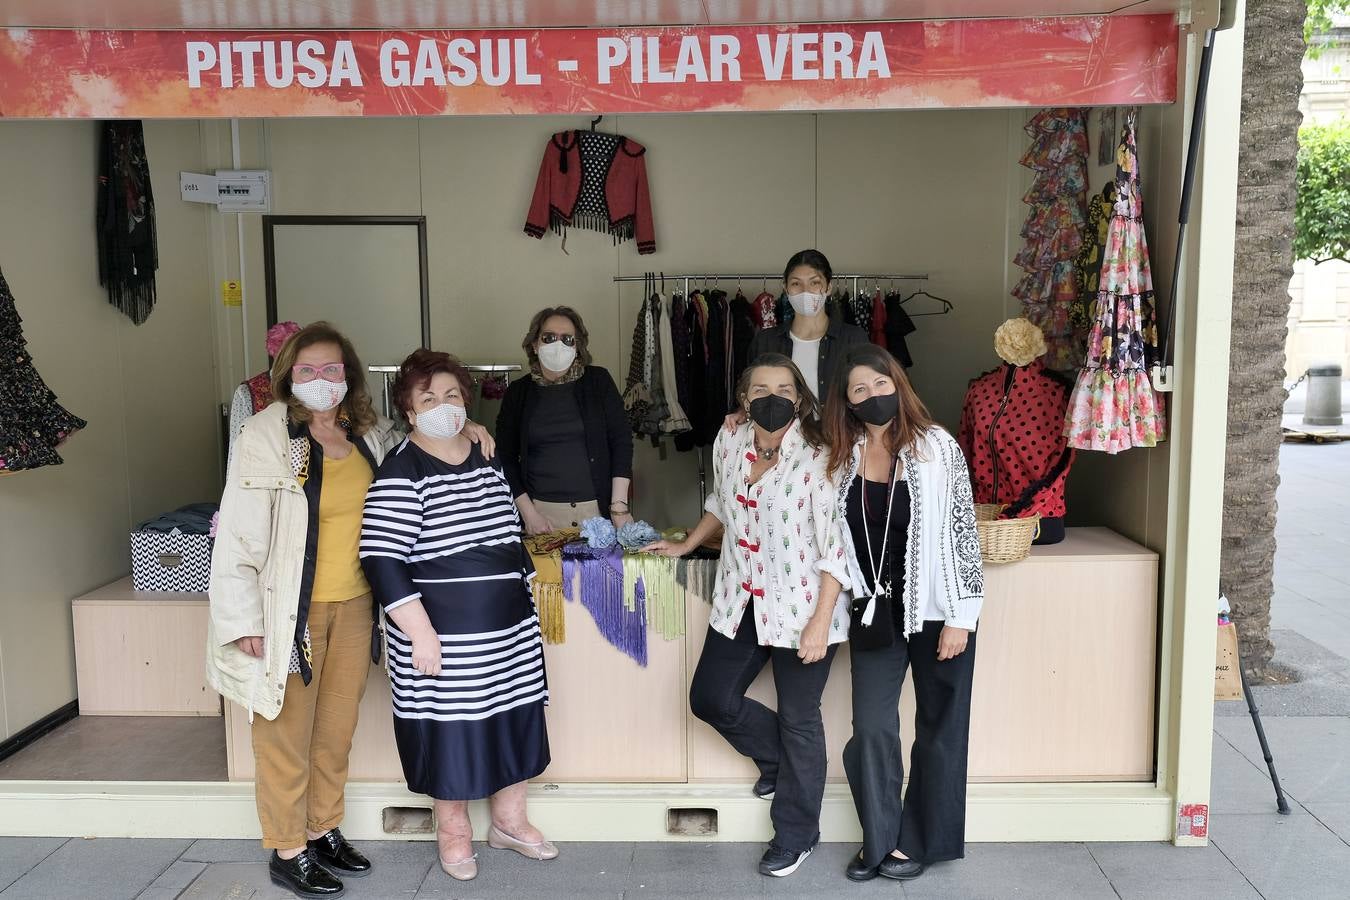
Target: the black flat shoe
pixel 304 877
pixel 338 856
pixel 900 869
pixel 764 788
pixel 856 871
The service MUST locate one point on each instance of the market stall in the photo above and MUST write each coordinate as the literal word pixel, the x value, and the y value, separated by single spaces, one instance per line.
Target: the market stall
pixel 1089 717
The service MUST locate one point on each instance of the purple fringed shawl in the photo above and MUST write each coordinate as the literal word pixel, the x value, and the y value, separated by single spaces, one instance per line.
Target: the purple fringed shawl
pixel 601 573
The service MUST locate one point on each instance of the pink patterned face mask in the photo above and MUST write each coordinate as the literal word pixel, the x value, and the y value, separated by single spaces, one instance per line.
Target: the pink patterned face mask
pixel 444 421
pixel 320 395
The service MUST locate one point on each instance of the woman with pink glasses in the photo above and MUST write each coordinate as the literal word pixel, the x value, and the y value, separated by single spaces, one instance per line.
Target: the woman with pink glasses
pixel 293 629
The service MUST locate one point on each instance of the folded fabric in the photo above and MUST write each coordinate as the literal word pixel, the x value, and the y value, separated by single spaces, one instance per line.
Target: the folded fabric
pixel 600 571
pixel 195 518
pixel 547 585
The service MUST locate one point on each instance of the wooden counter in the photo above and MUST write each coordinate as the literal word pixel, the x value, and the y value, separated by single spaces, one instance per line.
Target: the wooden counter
pixel 1064 686
pixel 141 653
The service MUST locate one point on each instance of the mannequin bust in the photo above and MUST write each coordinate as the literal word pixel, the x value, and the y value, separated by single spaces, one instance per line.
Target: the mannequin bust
pixel 1012 431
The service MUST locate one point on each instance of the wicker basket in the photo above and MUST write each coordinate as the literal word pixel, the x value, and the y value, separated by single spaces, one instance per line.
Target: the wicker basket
pixel 1004 540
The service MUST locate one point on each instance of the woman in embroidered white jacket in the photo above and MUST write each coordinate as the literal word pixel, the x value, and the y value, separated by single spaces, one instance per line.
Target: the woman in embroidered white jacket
pixel 918 584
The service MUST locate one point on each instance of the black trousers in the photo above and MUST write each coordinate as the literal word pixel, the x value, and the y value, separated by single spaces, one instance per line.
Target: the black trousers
pixel 930 825
pixel 787 745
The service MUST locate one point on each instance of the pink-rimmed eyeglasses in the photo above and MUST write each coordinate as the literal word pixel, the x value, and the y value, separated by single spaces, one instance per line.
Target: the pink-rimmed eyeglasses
pixel 330 372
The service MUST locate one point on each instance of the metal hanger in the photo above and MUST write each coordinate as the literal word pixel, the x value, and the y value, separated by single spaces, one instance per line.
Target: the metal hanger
pixel 596 121
pixel 946 304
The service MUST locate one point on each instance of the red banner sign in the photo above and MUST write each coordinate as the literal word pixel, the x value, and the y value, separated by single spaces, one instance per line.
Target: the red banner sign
pixel 898 65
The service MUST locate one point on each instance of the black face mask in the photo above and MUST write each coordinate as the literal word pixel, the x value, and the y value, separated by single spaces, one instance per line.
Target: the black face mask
pixel 773 412
pixel 878 409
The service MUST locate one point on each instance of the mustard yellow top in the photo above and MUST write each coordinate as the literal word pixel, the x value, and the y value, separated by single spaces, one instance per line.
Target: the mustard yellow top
pixel 337 567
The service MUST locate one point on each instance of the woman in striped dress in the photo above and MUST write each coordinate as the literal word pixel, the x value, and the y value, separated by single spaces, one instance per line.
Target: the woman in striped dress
pixel 441 547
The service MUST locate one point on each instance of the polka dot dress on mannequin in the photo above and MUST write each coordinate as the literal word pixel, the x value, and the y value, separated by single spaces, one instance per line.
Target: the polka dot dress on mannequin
pixel 1012 431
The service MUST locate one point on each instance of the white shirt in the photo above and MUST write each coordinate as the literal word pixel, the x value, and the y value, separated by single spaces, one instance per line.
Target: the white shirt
pixel 806 357
pixel 780 534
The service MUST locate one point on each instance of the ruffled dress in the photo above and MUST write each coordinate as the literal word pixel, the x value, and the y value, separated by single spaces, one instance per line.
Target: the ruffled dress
pixel 1114 406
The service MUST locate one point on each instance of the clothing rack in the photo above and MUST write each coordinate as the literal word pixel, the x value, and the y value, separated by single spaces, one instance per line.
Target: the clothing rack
pixel 387 373
pixel 685 278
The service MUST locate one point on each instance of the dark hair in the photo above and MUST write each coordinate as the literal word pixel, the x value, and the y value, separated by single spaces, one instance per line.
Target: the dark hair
pixel 808 409
pixel 843 428
pixel 811 258
pixel 417 371
pixel 356 406
pixel 537 326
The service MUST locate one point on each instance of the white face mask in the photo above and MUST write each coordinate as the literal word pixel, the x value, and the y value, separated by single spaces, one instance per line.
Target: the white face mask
pixel 807 303
pixel 320 395
pixel 444 421
pixel 557 356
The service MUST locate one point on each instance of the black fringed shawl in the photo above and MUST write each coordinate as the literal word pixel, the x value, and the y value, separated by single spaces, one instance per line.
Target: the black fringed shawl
pixel 127 251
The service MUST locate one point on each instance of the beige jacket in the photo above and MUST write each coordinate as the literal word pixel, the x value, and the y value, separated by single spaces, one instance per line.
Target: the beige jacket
pixel 258 560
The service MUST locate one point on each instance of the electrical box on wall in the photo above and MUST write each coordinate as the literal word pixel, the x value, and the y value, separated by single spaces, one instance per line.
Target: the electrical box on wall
pixel 231 190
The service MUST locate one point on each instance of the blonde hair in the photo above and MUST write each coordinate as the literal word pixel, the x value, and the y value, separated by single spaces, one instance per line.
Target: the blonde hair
pixel 357 407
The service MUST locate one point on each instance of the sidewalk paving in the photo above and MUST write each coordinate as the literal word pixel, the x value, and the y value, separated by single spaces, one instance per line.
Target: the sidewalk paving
pixel 1253 852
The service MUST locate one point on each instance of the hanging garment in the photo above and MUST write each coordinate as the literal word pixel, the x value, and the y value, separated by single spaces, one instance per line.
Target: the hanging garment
pixel 675 420
pixel 742 333
pixel 763 307
pixel 898 327
pixel 679 332
pixel 128 253
pixel 1088 265
pixel 659 411
pixel 719 390
pixel 699 402
pixel 32 423
pixel 595 181
pixel 1114 406
pixel 1013 438
pixel 1054 231
pixel 847 313
pixel 877 332
pixel 637 395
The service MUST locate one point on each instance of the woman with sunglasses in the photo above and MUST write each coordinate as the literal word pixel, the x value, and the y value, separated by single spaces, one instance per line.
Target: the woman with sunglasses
pixel 292 627
pixel 563 420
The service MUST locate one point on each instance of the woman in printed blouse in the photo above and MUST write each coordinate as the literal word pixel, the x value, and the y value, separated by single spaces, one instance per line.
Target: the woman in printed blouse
pixel 914 565
pixel 777 598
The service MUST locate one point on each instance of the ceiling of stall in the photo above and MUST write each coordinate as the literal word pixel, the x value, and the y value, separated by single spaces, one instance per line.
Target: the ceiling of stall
pixel 411 14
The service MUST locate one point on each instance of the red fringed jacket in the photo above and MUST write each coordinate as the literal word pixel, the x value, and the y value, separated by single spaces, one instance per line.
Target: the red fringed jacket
pixel 596 181
pixel 1012 433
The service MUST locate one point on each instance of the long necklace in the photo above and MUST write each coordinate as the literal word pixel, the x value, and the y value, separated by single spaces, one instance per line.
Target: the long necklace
pixel 880 588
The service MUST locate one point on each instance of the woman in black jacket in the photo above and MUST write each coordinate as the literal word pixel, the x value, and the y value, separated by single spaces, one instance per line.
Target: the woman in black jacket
pixel 561 422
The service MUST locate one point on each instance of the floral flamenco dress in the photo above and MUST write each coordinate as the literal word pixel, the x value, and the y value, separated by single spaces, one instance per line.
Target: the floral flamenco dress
pixel 1114 406
pixel 32 423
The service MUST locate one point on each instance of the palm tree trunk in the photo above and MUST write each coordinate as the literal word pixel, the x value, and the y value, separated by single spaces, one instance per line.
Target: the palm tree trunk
pixel 1272 78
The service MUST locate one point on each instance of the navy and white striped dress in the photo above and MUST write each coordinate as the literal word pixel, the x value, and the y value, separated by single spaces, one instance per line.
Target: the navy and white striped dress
pixel 449 535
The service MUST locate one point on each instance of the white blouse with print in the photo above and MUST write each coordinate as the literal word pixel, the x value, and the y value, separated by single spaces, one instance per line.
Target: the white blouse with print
pixel 780 534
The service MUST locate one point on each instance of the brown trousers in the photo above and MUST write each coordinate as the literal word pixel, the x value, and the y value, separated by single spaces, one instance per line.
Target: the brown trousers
pixel 302 754
pixel 567 515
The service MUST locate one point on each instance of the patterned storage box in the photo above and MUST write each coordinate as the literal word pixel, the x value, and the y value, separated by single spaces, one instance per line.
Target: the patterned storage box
pixel 170 562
